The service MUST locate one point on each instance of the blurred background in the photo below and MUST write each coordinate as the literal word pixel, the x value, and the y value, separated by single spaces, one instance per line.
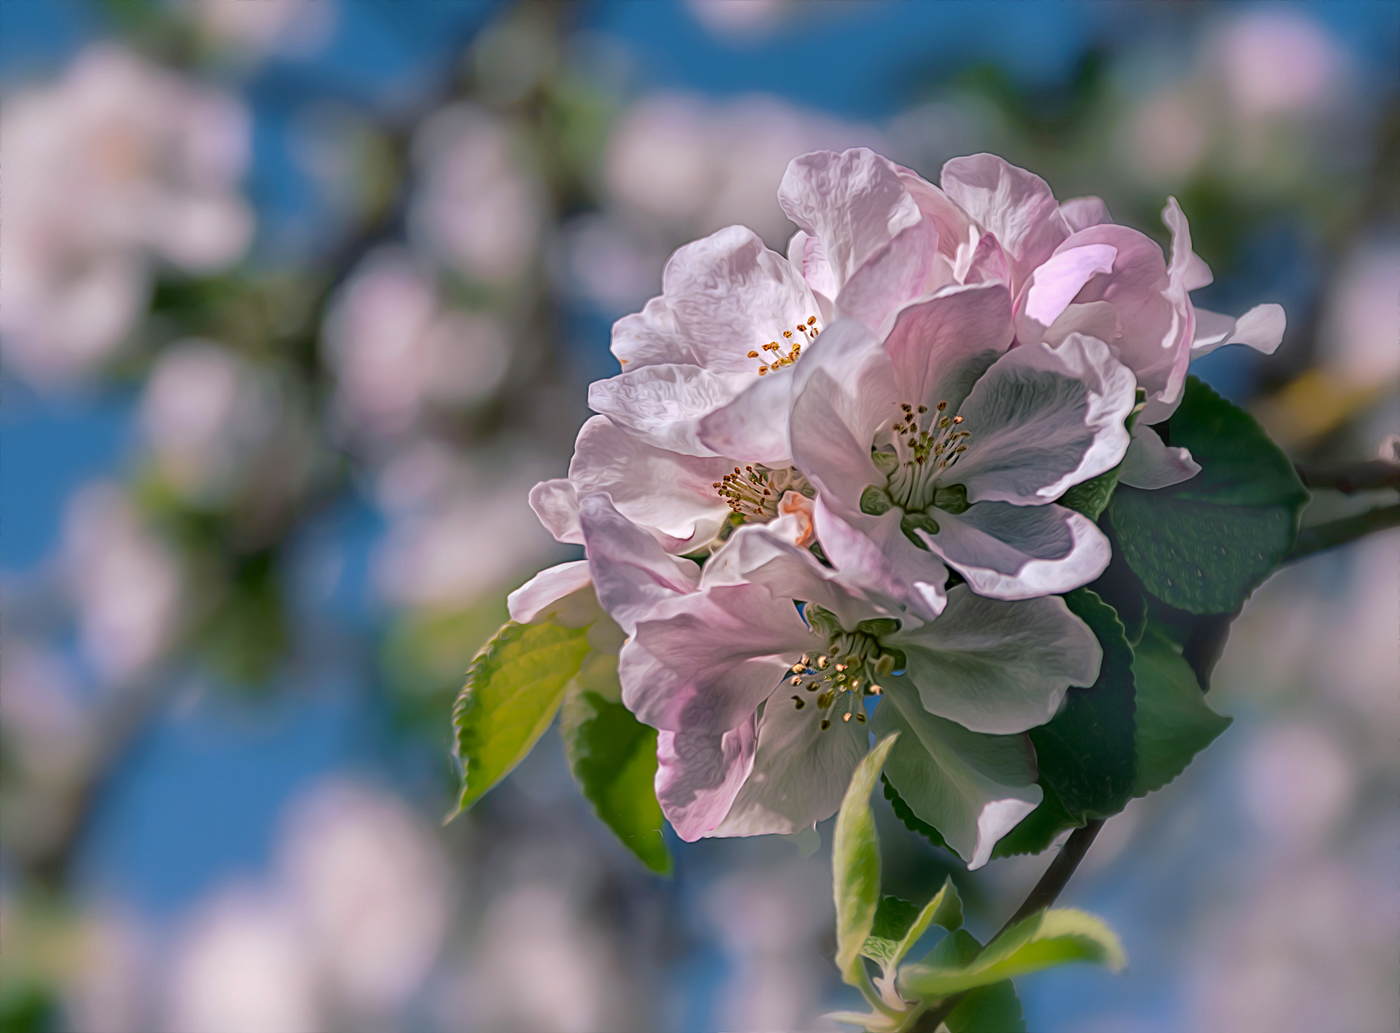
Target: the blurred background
pixel 299 297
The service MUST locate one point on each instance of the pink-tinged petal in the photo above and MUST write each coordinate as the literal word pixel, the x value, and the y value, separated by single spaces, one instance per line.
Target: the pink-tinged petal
pixel 698 774
pixel 1080 213
pixel 662 404
pixel 973 788
pixel 1182 328
pixel 728 646
pixel 538 598
pixel 755 427
pixel 853 202
pixel 1043 419
pixel 985 263
pixel 806 254
pixel 1062 276
pixel 631 573
pixel 1261 328
pixel 1150 464
pixel 670 494
pixel 891 278
pixel 874 553
pixel 1020 552
pixel 723 296
pixel 938 348
pixel 1015 205
pixel 832 430
pixel 998 667
pixel 957 233
pixel 800 773
pixel 556 504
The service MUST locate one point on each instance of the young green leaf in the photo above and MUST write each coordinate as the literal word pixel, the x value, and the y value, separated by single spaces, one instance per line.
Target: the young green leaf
pixel 613 758
pixel 855 865
pixel 1044 940
pixel 900 923
pixel 988 1009
pixel 513 688
pixel 1087 753
pixel 1204 545
pixel 1174 722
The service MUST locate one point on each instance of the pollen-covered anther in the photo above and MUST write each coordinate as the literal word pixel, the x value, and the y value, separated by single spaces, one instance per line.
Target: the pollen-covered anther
pixel 799 702
pixel 846 717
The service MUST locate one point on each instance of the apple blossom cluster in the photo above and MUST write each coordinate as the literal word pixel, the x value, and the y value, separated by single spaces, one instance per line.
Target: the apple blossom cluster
pixel 825 497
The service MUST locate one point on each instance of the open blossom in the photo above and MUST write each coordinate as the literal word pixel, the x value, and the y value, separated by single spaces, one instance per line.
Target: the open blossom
pixel 115 165
pixel 951 447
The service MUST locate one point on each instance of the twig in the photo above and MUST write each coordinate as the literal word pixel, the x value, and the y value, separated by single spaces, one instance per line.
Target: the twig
pixel 1349 478
pixel 1333 533
pixel 1045 893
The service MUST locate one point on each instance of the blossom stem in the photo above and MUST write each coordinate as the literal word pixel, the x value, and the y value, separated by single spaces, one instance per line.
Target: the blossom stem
pixel 1350 478
pixel 1329 535
pixel 1046 891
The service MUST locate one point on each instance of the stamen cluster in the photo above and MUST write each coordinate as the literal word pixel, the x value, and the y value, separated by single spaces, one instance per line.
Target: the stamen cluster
pixel 834 676
pixel 925 447
pixel 808 332
pixel 755 491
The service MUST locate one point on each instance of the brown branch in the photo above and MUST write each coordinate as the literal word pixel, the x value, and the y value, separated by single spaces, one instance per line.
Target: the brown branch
pixel 1329 535
pixel 1351 477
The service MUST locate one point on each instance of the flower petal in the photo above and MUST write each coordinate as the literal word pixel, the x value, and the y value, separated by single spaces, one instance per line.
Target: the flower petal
pixel 632 574
pixel 1150 464
pixel 556 504
pixel 1082 212
pixel 1020 552
pixel 853 202
pixel 1015 205
pixel 662 404
pixel 722 297
pixel 1043 419
pixel 536 599
pixel 698 774
pixel 938 348
pixel 878 556
pixel 1055 283
pixel 995 666
pixel 806 254
pixel 892 277
pixel 800 773
pixel 972 788
pixel 1261 328
pixel 670 494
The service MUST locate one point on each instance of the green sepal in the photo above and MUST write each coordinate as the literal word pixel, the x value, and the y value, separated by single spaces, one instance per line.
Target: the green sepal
pixel 952 499
pixel 910 522
pixel 875 501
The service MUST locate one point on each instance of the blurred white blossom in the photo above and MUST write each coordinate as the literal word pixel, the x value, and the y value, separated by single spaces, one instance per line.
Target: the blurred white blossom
pixel 257 28
pixel 1359 342
pixel 397 349
pixel 478 206
pixel 126 584
pixel 117 164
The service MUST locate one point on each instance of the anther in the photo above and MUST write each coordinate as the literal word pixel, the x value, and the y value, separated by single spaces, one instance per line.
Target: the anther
pixel 846 717
pixel 794 681
pixel 787 333
pixel 753 355
pixel 941 406
pixel 860 719
pixel 826 723
pixel 800 702
pixel 811 320
pixel 874 690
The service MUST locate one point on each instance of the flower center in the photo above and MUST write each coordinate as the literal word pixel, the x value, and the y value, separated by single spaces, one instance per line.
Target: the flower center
pixel 772 356
pixel 926 445
pixel 845 672
pixel 755 491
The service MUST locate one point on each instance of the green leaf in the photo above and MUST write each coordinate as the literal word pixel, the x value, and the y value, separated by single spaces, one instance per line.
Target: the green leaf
pixel 1091 497
pixel 988 1009
pixel 1038 829
pixel 1087 753
pixel 1174 722
pixel 900 923
pixel 613 758
pixel 1204 545
pixel 1044 940
pixel 855 864
pixel 513 688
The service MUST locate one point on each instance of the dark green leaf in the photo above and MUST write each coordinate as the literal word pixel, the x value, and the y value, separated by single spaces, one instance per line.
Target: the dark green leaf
pixel 1038 829
pixel 613 758
pixel 1091 497
pixel 1204 545
pixel 1174 723
pixel 513 688
pixel 1086 754
pixel 988 1009
pixel 894 917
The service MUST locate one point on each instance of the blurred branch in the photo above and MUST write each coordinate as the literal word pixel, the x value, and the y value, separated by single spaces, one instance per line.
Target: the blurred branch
pixel 1045 893
pixel 1333 533
pixel 1352 477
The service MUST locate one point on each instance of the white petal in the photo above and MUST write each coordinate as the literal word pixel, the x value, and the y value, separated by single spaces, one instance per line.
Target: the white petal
pixel 670 494
pixel 891 278
pixel 938 348
pixel 1020 552
pixel 631 572
pixel 538 598
pixel 698 774
pixel 800 773
pixel 1055 283
pixel 853 202
pixel 723 296
pixel 973 788
pixel 1082 212
pixel 1181 273
pixel 662 404
pixel 1150 464
pixel 556 504
pixel 1043 419
pixel 806 254
pixel 998 667
pixel 1261 328
pixel 877 555
pixel 1015 205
